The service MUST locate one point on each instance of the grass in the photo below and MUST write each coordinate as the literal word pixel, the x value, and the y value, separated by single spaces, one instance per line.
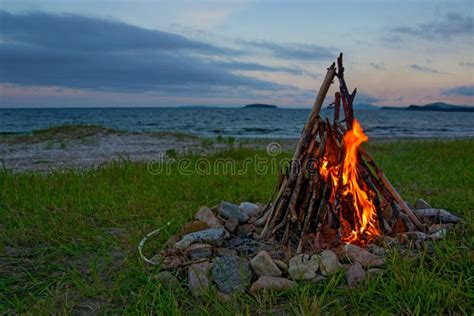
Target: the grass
pixel 70 239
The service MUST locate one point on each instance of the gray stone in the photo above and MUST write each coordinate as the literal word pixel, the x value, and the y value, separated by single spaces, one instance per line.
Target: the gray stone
pixel 231 274
pixel 207 216
pixel 245 230
pixel 226 252
pixel 436 216
pixel 213 236
pixel 262 220
pixel 355 274
pixel 199 251
pixel 420 204
pixel 303 267
pixel 439 234
pixel 281 265
pixel 250 209
pixel 231 224
pixel 362 256
pixel 438 227
pixel 262 264
pixel 167 280
pixel 328 263
pixel 318 278
pixel 228 210
pixel 198 278
pixel 265 283
pixel 376 250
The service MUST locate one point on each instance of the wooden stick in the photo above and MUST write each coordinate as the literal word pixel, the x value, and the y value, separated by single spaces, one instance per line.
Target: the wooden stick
pixel 392 191
pixel 337 106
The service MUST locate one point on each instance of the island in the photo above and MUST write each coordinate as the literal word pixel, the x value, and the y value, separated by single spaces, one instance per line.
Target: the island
pixel 437 106
pixel 260 106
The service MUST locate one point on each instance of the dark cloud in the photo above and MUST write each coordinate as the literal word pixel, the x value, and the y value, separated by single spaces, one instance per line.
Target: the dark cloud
pixel 449 26
pixel 81 33
pixel 459 90
pixel 423 69
pixel 293 51
pixel 40 49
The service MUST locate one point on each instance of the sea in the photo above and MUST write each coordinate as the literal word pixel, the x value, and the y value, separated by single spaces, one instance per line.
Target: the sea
pixel 237 122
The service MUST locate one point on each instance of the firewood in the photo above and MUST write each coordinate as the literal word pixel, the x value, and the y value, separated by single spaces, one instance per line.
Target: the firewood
pixel 393 192
pixel 316 200
pixel 337 106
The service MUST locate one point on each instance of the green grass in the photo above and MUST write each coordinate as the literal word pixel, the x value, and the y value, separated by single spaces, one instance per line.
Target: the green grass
pixel 71 237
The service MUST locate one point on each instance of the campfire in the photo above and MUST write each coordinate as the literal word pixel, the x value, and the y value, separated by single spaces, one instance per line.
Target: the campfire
pixel 332 205
pixel 333 192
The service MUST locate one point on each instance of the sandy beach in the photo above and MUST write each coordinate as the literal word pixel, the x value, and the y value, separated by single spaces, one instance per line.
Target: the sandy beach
pixel 88 147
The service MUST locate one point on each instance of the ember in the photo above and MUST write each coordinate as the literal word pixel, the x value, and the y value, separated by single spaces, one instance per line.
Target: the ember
pixel 348 199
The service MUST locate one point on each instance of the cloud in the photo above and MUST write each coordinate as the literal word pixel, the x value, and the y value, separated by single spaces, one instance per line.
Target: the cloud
pixel 377 66
pixel 460 91
pixel 423 69
pixel 40 49
pixel 293 51
pixel 449 26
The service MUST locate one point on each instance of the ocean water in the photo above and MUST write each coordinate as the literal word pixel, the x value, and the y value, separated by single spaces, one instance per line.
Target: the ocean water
pixel 238 122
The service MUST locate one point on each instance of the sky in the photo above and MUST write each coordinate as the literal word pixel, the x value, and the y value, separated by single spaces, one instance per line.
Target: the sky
pixel 68 53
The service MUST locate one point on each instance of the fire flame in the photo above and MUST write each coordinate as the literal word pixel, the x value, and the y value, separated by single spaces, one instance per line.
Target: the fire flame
pixel 363 227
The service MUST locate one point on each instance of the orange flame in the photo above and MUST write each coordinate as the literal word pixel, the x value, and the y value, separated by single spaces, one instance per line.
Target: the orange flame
pixel 364 226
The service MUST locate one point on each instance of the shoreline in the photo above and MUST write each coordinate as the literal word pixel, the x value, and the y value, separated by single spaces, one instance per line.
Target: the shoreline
pixel 86 147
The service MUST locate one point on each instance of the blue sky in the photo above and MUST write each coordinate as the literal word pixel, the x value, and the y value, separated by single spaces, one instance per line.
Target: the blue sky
pixel 171 53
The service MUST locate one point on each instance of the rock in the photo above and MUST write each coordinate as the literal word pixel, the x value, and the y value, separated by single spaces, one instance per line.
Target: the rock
pixel 245 230
pixel 231 274
pixel 412 236
pixel 376 250
pixel 228 210
pixel 198 278
pixel 199 251
pixel 262 220
pixel 437 227
pixel 437 216
pixel 262 264
pixel 420 204
pixel 231 224
pixel 281 265
pixel 192 227
pixel 303 267
pixel 328 263
pixel 375 271
pixel 167 261
pixel 214 236
pixel 252 219
pixel 439 234
pixel 172 241
pixel 207 216
pixel 355 274
pixel 362 256
pixel 250 209
pixel 318 278
pixel 265 283
pixel 226 252
pixel 167 280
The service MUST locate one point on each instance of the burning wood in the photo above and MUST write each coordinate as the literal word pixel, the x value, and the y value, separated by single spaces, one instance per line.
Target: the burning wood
pixel 333 192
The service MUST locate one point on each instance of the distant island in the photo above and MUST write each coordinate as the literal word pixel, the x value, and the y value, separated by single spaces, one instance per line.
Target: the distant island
pixel 260 106
pixel 437 106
